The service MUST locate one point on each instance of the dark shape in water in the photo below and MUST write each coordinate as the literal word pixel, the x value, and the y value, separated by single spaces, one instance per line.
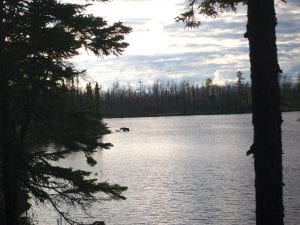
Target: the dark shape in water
pixel 125 129
pixel 98 223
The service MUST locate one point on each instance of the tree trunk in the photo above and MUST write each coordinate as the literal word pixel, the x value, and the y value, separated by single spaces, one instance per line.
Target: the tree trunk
pixel 2 176
pixel 12 163
pixel 267 146
pixel 2 202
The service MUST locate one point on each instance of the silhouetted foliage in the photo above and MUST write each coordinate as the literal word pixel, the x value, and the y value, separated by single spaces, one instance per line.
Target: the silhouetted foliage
pixel 43 117
pixel 267 119
pixel 186 98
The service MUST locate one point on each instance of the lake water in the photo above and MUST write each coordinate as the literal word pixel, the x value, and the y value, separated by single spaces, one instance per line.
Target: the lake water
pixel 187 170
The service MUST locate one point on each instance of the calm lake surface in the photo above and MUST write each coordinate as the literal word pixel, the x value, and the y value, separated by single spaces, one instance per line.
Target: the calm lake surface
pixel 186 170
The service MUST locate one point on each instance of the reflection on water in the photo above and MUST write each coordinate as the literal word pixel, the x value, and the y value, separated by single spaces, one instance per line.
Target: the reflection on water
pixel 188 170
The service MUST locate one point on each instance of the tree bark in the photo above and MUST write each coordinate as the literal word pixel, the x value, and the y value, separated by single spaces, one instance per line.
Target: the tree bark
pixel 10 172
pixel 11 154
pixel 2 198
pixel 2 202
pixel 267 146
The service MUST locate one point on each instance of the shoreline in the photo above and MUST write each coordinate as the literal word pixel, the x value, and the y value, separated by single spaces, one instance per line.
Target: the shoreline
pixel 186 114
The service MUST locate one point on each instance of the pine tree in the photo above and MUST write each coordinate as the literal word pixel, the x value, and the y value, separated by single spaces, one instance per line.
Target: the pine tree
pixel 38 108
pixel 267 119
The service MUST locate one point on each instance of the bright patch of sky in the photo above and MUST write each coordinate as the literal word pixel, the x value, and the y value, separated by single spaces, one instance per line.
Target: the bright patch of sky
pixel 162 49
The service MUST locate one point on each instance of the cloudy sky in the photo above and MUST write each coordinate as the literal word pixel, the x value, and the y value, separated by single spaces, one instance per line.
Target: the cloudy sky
pixel 161 49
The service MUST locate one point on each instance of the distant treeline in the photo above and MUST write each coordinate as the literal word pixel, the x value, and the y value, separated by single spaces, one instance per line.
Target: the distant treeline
pixel 186 98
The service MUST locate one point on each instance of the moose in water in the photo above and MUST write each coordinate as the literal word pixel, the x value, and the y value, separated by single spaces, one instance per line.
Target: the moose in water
pixel 98 223
pixel 124 129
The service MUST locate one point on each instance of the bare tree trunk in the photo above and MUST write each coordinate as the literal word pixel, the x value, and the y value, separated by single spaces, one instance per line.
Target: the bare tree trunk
pixel 10 159
pixel 267 146
pixel 2 202
pixel 11 156
pixel 2 176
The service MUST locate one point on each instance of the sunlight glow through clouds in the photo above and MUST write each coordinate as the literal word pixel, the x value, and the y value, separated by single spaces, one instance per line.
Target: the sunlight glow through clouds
pixel 160 48
pixel 220 77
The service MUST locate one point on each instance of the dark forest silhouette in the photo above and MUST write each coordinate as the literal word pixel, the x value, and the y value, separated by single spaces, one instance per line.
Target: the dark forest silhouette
pixel 187 98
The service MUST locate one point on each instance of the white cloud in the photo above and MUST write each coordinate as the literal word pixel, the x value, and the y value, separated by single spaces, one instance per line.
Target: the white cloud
pixel 223 77
pixel 159 47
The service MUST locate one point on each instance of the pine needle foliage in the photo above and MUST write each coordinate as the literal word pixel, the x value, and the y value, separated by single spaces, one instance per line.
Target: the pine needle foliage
pixel 41 107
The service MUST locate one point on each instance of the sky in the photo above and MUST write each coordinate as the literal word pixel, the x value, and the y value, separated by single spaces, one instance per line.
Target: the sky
pixel 162 49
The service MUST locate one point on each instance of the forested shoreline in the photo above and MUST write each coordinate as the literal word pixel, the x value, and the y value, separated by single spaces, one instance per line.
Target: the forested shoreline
pixel 168 98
